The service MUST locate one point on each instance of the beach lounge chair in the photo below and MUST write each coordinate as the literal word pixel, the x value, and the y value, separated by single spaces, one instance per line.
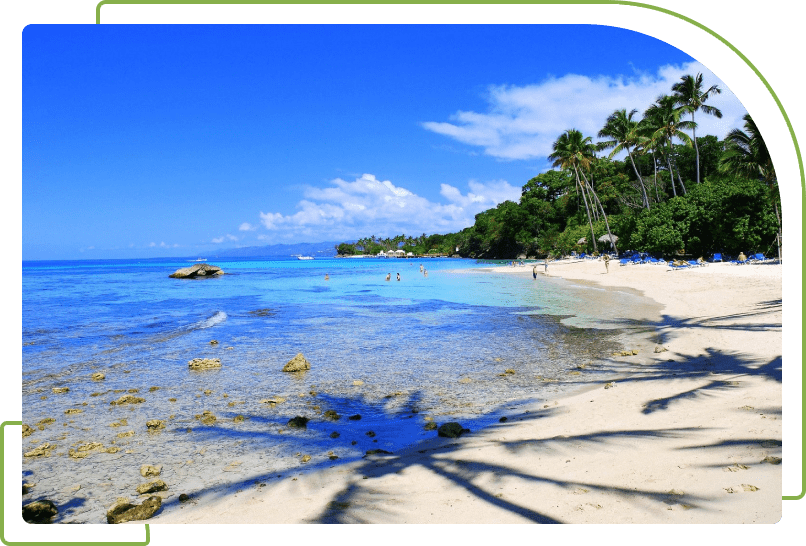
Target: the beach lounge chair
pixel 717 257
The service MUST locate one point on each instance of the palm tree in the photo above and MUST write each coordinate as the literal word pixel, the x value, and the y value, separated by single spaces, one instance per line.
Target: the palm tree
pixel 746 154
pixel 662 124
pixel 623 132
pixel 572 151
pixel 689 94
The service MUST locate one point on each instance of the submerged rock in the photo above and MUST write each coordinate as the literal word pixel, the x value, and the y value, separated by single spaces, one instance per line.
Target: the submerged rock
pixel 40 511
pixel 60 390
pixel 356 417
pixel 197 271
pixel 42 450
pixel 378 452
pixel 305 459
pixel 124 512
pixel 330 414
pixel 334 434
pixel 430 426
pixel 451 430
pixel 155 424
pixel 204 363
pixel 152 487
pixel 297 364
pixel 127 399
pixel 206 417
pixel 184 497
pixel 72 410
pixel 298 422
pixel 98 376
pixel 148 471
pixel 26 430
pixel 85 450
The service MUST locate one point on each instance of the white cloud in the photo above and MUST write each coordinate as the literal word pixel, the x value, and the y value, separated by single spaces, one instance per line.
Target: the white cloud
pixel 246 226
pixel 366 205
pixel 523 122
pixel 223 238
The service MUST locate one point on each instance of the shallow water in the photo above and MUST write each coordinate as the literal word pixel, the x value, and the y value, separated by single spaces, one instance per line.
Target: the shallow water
pixel 422 348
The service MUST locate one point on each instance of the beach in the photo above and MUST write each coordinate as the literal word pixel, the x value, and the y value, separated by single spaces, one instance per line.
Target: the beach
pixel 686 428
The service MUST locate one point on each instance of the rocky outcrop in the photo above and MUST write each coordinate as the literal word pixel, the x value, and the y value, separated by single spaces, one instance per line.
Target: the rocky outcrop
pixel 148 471
pixel 298 422
pixel 127 399
pixel 152 487
pixel 197 271
pixel 451 430
pixel 26 430
pixel 297 364
pixel 121 513
pixel 42 450
pixel 155 424
pixel 98 376
pixel 204 363
pixel 39 511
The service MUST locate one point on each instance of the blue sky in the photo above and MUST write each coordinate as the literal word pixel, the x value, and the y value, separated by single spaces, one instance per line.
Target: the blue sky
pixel 143 141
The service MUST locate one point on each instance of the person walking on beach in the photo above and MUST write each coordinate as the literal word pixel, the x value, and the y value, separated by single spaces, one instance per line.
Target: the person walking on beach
pixel 607 263
pixel 388 276
pixel 398 276
pixel 546 266
pixel 534 272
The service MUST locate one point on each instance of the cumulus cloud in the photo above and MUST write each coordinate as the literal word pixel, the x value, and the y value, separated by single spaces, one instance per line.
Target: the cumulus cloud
pixel 523 122
pixel 352 209
pixel 246 226
pixel 223 238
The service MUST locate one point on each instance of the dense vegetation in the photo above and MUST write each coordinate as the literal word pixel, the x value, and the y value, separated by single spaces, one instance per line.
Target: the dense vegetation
pixel 672 193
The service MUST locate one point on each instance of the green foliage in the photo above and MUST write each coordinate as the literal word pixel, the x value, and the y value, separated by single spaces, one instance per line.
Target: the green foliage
pixel 723 215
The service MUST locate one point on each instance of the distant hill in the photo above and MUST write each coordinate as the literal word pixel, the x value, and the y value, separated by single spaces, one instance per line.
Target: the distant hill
pixel 317 250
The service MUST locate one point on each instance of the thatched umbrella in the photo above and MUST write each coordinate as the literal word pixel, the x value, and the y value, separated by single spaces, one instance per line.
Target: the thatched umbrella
pixel 606 239
pixel 582 241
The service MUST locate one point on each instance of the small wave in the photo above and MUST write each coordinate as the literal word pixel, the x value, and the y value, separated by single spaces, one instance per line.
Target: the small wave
pixel 217 318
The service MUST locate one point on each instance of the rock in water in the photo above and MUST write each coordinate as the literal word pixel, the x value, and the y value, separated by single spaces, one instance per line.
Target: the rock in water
pixel 204 363
pixel 451 430
pixel 148 470
pixel 39 511
pixel 127 399
pixel 152 487
pixel 297 364
pixel 196 271
pixel 26 430
pixel 124 512
pixel 298 422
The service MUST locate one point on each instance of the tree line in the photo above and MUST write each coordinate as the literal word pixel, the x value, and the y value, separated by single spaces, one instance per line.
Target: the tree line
pixel 672 193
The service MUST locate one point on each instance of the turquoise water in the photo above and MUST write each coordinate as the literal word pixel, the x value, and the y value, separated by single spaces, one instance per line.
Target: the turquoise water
pixel 394 352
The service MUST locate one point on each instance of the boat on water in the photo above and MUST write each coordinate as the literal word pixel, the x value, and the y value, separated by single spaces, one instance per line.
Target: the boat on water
pixel 305 257
pixel 200 260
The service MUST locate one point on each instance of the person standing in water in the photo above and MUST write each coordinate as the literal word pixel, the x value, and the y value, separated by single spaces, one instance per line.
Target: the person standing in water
pixel 546 266
pixel 327 277
pixel 534 271
pixel 398 276
pixel 388 276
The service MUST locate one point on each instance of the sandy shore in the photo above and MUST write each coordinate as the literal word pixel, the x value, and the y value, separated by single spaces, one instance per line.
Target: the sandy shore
pixel 689 434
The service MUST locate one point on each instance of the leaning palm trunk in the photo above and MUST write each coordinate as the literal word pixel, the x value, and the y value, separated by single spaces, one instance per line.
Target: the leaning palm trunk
pixel 587 209
pixel 778 234
pixel 655 180
pixel 696 148
pixel 607 224
pixel 640 180
pixel 671 175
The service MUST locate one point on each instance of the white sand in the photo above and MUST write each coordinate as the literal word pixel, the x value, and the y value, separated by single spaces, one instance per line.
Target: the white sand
pixel 679 439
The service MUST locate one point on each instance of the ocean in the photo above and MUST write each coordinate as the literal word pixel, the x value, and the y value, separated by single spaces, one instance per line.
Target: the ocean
pixel 399 354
